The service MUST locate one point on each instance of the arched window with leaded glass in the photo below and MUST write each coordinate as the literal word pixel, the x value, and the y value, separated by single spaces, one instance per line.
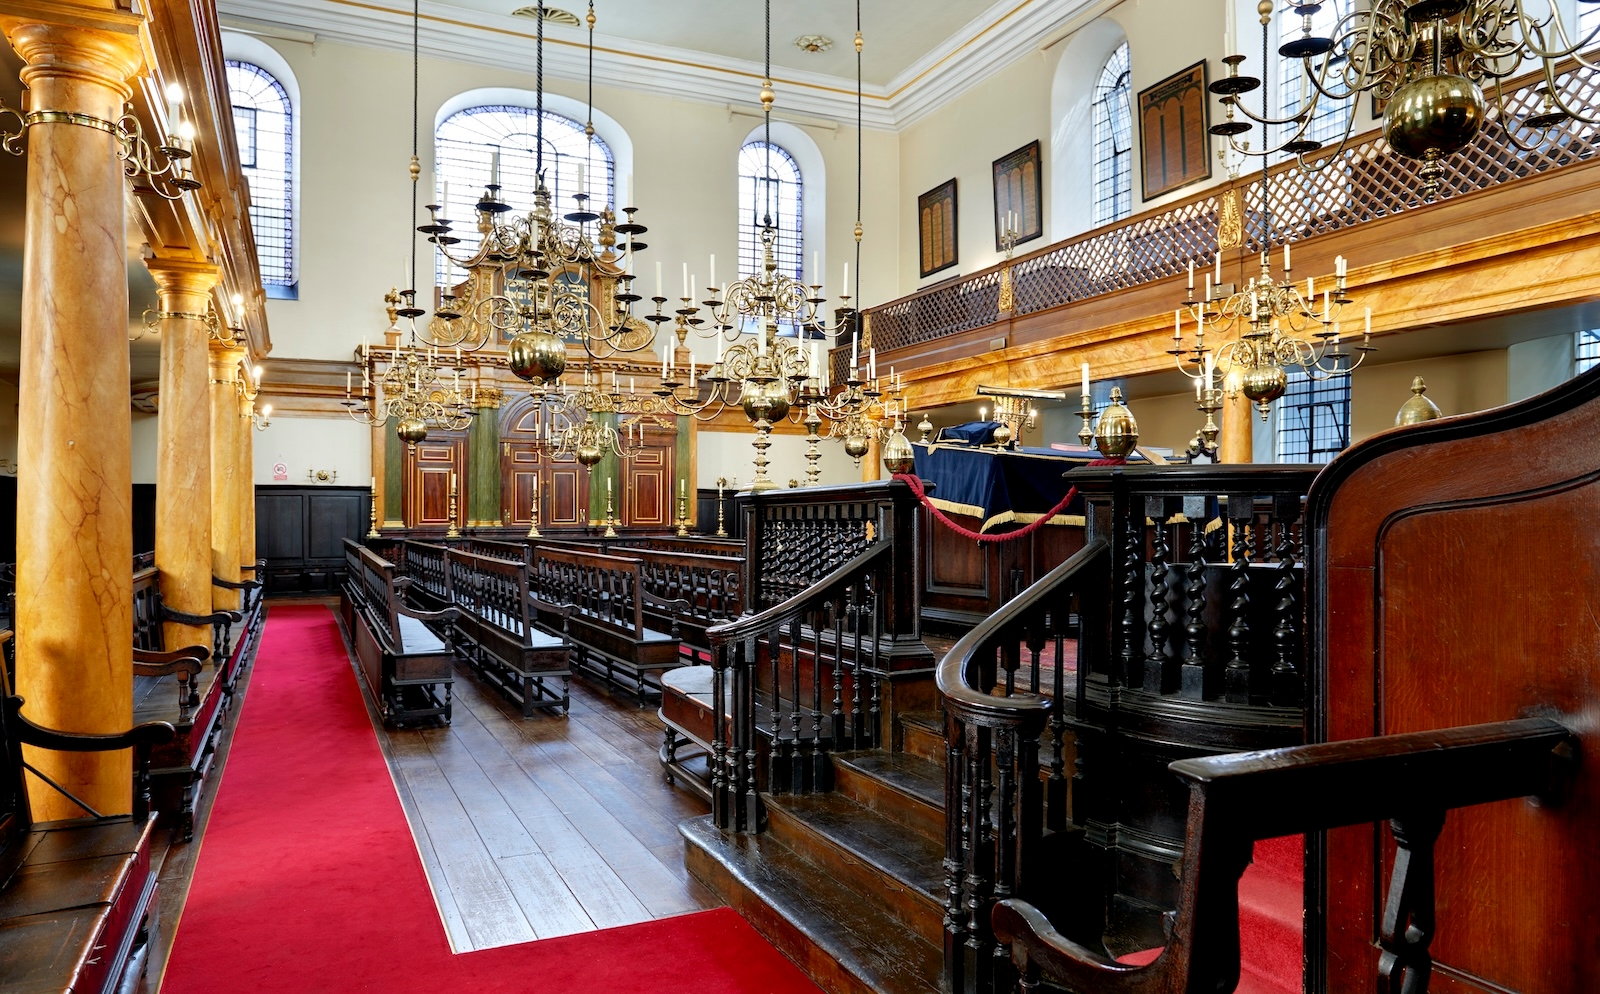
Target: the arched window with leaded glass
pixel 1113 139
pixel 263 122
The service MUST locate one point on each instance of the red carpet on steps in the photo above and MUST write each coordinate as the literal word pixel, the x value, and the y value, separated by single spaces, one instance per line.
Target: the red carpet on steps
pixel 308 878
pixel 1271 930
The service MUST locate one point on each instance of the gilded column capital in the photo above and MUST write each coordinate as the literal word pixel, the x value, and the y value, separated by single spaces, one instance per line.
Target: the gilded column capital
pixel 75 42
pixel 489 398
pixel 180 277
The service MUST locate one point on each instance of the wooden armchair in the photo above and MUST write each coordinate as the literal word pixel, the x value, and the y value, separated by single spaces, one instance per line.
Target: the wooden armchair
pixel 1409 780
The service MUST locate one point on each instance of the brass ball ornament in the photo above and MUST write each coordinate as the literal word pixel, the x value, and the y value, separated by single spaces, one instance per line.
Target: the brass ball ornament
pixel 537 356
pixel 589 454
pixel 1264 384
pixel 855 446
pixel 412 430
pixel 1431 117
pixel 898 456
pixel 777 397
pixel 1002 434
pixel 1116 434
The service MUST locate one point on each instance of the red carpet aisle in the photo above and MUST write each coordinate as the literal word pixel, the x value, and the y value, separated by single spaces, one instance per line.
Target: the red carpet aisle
pixel 309 880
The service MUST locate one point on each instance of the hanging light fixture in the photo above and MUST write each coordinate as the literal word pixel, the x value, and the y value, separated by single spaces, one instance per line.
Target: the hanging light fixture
pixel 1429 62
pixel 411 386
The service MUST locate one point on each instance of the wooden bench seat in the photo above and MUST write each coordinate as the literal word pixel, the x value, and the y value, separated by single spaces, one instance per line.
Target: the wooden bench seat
pixel 605 606
pixel 687 715
pixel 77 897
pixel 407 666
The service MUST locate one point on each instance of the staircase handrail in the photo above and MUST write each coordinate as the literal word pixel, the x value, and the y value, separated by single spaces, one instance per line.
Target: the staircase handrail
pixel 793 607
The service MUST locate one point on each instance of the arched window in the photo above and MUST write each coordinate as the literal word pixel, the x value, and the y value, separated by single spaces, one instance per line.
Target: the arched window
pixel 1313 418
pixel 1586 350
pixel 1113 140
pixel 464 148
pixel 771 193
pixel 1589 18
pixel 1295 89
pixel 264 124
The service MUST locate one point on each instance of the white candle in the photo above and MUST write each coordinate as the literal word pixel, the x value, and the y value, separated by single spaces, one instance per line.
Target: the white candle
pixel 846 283
pixel 374 483
pixel 855 348
pixel 1177 325
pixel 347 375
pixel 444 200
pixel 1207 297
pixel 1191 277
pixel 630 385
pixel 872 364
pixel 1327 305
pixel 816 265
pixel 816 360
pixel 719 348
pixel 1197 383
pixel 1368 327
pixel 1286 264
pixel 608 486
pixel 682 485
pixel 1210 369
pixel 713 270
pixel 1311 288
pixel 452 480
pixel 686 280
pixel 694 281
pixel 1086 379
pixel 761 341
pixel 694 375
pixel 580 178
pixel 1219 267
pixel 494 167
pixel 658 278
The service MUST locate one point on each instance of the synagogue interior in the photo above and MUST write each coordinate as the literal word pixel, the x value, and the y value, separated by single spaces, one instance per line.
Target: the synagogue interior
pixel 855 496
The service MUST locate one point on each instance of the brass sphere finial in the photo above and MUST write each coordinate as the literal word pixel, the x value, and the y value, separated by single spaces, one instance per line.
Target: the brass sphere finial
pixel 588 129
pixel 1264 9
pixel 768 98
pixel 858 43
pixel 1116 433
pixel 858 236
pixel 416 169
pixel 897 454
pixel 590 18
pixel 1417 408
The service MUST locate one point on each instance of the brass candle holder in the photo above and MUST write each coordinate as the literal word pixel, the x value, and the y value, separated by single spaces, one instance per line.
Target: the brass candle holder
pixel 1204 442
pixel 452 531
pixel 533 526
pixel 813 422
pixel 372 508
pixel 722 482
pixel 683 514
pixel 611 517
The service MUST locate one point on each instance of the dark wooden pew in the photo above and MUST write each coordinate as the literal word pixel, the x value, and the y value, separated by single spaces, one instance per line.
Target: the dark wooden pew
pixel 77 908
pixel 406 665
pixel 606 620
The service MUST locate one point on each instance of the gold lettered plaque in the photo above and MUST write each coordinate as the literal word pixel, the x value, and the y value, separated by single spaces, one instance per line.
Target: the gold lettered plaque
pixel 1017 187
pixel 936 227
pixel 1172 132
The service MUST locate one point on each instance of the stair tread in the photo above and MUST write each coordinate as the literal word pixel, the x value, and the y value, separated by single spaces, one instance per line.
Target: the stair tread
pixel 897 851
pixel 911 775
pixel 884 953
pixel 933 721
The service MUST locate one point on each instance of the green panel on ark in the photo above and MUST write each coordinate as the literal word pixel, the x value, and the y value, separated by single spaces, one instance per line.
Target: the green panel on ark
pixel 393 474
pixel 483 468
pixel 606 469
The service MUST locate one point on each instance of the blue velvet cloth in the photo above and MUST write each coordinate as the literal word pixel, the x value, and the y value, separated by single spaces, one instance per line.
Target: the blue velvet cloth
pixel 1000 487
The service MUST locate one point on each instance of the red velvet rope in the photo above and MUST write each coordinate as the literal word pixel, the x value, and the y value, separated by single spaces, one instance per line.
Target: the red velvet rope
pixel 915 484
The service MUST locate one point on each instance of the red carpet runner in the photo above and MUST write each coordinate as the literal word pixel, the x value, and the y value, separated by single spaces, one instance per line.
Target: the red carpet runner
pixel 309 879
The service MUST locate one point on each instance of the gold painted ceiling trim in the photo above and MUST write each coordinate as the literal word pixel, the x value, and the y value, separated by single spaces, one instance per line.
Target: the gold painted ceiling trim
pixel 908 84
pixel 622 53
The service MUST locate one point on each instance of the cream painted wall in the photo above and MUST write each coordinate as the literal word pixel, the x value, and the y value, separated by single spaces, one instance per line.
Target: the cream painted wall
pixel 1459 384
pixel 355 192
pixel 335 444
pixel 145 441
pixel 730 454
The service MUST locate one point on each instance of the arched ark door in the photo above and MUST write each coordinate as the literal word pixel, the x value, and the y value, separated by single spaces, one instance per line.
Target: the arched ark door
pixel 428 469
pixel 649 495
pixel 559 483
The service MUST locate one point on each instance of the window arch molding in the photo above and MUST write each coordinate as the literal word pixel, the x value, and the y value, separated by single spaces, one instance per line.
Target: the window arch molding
pixel 606 127
pixel 250 49
pixel 1072 97
pixel 802 148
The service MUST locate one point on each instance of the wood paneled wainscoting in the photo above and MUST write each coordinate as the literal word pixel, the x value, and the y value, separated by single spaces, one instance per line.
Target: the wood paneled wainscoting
pixel 300 532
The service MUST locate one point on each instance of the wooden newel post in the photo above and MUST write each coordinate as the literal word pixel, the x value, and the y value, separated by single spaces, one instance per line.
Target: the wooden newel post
pixel 74 613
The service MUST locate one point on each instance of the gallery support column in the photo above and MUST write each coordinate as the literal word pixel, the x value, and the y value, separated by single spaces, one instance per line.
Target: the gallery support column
pixel 1238 428
pixel 245 455
pixel 183 455
pixel 225 510
pixel 74 613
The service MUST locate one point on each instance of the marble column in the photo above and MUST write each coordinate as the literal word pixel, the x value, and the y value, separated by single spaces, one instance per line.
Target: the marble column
pixel 1238 428
pixel 74 613
pixel 483 462
pixel 245 477
pixel 379 474
pixel 225 510
pixel 183 455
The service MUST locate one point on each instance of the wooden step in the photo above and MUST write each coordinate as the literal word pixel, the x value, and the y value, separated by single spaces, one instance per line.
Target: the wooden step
pixel 897 870
pixel 923 733
pixel 906 789
pixel 845 944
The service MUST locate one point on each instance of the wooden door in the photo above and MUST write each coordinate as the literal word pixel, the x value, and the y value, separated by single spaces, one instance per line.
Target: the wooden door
pixel 649 493
pixel 520 469
pixel 561 483
pixel 566 497
pixel 429 467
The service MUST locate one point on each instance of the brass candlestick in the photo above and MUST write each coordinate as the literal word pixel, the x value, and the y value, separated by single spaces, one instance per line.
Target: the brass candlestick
pixel 722 481
pixel 812 422
pixel 1086 412
pixel 533 526
pixel 611 518
pixel 1204 442
pixel 683 515
pixel 372 507
pixel 452 531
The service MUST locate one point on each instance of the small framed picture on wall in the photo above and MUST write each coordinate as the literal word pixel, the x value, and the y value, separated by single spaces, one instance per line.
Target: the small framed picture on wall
pixel 1172 132
pixel 1017 192
pixel 937 221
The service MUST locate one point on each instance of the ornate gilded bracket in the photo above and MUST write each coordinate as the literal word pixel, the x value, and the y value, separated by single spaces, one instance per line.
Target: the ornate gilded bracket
pixel 136 152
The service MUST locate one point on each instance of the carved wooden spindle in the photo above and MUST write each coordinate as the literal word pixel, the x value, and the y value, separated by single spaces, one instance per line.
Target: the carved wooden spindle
pixel 1161 669
pixel 719 732
pixel 1236 677
pixel 1287 688
pixel 1006 813
pixel 825 618
pixel 974 815
pixel 1408 914
pixel 1055 798
pixel 1130 625
pixel 1193 684
pixel 956 841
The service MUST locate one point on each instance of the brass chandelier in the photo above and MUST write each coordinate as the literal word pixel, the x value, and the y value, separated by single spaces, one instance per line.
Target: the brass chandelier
pixel 1429 62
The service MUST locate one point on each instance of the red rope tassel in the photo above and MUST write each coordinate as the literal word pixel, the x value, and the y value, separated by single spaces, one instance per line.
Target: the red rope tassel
pixel 915 484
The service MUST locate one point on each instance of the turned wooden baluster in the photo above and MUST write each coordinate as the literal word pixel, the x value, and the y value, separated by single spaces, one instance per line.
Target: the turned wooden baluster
pixel 955 846
pixel 1130 626
pixel 979 856
pixel 1194 684
pixel 719 735
pixel 1287 688
pixel 1162 669
pixel 1236 677
pixel 1408 926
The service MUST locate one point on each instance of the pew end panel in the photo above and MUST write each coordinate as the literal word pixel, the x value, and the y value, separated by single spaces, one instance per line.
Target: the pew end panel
pixel 407 667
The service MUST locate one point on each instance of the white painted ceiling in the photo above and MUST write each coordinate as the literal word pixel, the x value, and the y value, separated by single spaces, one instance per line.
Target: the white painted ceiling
pixel 896 32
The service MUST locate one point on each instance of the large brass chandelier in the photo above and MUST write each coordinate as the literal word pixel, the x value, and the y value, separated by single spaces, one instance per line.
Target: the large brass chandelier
pixel 1429 62
pixel 416 385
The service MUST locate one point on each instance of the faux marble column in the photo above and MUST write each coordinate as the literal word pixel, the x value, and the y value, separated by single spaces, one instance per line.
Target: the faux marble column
pixel 1238 429
pixel 74 611
pixel 483 462
pixel 245 477
pixel 225 509
pixel 379 474
pixel 183 454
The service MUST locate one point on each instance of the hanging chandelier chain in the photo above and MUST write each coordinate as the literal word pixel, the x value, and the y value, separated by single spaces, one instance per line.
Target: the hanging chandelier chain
pixel 538 126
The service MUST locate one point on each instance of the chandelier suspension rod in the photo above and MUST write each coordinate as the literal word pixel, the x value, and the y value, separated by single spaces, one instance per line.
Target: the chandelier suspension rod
pixel 538 125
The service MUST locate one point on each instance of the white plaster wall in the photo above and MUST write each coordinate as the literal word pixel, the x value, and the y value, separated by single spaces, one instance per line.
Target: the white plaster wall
pixel 730 454
pixel 335 444
pixel 146 440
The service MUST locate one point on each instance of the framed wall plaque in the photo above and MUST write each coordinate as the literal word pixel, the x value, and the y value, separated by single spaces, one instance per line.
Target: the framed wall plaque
pixel 1018 188
pixel 937 221
pixel 1173 118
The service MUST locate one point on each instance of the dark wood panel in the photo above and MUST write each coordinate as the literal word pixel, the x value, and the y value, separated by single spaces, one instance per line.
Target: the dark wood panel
pixel 281 525
pixel 332 518
pixel 300 532
pixel 427 473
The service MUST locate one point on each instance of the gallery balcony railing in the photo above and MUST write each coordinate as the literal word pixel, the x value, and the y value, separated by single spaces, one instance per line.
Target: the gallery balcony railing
pixel 1367 183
